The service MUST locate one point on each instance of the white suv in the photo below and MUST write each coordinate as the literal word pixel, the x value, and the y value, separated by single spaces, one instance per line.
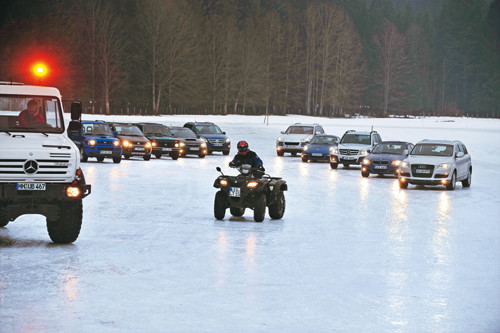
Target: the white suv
pixel 353 147
pixel 296 137
pixel 436 162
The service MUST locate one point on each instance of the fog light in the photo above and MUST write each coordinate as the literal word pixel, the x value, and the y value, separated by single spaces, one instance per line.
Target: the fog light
pixel 73 192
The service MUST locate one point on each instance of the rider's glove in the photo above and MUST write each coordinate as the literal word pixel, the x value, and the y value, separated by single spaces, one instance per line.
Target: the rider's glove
pixel 231 164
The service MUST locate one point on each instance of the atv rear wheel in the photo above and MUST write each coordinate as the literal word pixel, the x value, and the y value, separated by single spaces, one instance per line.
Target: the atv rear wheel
pixel 220 205
pixel 277 209
pixel 66 228
pixel 259 208
pixel 235 211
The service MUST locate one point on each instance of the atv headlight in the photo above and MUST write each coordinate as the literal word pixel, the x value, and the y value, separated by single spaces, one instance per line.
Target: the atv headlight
pixel 252 184
pixel 223 182
pixel 91 142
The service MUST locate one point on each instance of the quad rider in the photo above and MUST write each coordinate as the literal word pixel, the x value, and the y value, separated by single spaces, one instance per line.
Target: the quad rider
pixel 247 156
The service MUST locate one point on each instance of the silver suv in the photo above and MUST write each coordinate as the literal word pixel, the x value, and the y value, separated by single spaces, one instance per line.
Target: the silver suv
pixel 353 147
pixel 436 162
pixel 296 137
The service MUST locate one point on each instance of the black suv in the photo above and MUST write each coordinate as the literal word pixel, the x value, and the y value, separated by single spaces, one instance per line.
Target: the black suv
pixel 215 138
pixel 161 138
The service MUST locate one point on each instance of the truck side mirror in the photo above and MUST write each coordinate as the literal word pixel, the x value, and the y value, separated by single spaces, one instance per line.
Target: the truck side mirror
pixel 76 110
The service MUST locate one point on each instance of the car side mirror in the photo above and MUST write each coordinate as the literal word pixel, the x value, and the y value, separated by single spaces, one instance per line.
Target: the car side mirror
pixel 460 154
pixel 224 133
pixel 282 132
pixel 115 134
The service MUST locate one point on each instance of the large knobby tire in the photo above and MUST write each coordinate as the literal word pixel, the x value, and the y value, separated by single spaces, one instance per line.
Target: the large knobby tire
pixel 259 208
pixel 402 184
pixel 334 165
pixel 220 205
pixel 66 228
pixel 235 211
pixel 277 209
pixel 83 157
pixel 117 159
pixel 3 216
pixel 451 184
pixel 467 181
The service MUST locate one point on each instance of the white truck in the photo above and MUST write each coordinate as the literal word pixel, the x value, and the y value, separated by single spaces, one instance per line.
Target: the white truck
pixel 39 165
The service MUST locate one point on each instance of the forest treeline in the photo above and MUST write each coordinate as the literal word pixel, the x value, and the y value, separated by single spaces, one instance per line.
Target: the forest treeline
pixel 322 58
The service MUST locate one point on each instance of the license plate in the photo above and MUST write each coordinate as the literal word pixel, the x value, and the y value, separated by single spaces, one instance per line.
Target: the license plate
pixel 380 167
pixel 348 158
pixel 30 186
pixel 139 149
pixel 317 154
pixel 194 148
pixel 422 171
pixel 218 144
pixel 166 149
pixel 234 192
pixel 106 151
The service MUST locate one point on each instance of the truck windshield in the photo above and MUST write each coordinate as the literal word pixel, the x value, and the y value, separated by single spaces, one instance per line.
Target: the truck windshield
pixel 42 114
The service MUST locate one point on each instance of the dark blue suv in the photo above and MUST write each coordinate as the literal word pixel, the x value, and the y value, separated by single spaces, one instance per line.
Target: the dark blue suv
pixel 215 138
pixel 95 139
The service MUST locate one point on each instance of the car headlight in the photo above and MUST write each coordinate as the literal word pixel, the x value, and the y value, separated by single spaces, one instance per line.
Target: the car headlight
pixel 444 166
pixel 280 139
pixel 228 141
pixel 147 144
pixel 364 152
pixel 306 148
pixel 116 143
pixel 91 142
pixel 182 144
pixel 126 144
pixel 404 164
pixel 154 143
pixel 334 150
pixel 366 161
pixel 396 162
pixel 203 145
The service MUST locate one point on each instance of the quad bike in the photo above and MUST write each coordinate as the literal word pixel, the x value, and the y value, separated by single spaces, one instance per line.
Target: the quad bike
pixel 250 189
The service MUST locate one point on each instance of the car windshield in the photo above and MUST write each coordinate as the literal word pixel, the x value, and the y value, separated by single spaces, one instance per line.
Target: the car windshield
pixel 362 139
pixel 389 148
pixel 324 140
pixel 432 149
pixel 183 132
pixel 156 130
pixel 208 129
pixel 300 130
pixel 40 114
pixel 131 130
pixel 96 129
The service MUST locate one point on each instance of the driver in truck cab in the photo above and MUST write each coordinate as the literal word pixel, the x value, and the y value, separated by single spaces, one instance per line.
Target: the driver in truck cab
pixel 247 156
pixel 30 116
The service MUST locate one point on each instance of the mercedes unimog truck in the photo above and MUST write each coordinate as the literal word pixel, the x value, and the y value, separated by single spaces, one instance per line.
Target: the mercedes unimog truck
pixel 39 165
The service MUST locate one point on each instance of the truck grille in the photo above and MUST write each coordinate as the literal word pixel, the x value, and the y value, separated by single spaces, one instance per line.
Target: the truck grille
pixel 348 151
pixel 34 168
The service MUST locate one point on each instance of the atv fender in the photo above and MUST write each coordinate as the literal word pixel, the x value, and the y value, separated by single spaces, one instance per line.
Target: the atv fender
pixel 279 186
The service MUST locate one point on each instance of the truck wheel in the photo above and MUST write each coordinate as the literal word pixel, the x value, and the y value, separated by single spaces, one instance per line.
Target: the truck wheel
pixel 100 158
pixel 220 205
pixel 158 155
pixel 466 182
pixel 451 185
pixel 3 217
pixel 259 209
pixel 83 157
pixel 117 159
pixel 237 211
pixel 147 157
pixel 66 228
pixel 334 165
pixel 174 155
pixel 277 209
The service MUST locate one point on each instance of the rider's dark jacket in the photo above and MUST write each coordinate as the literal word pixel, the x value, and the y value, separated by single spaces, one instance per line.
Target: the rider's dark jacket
pixel 249 158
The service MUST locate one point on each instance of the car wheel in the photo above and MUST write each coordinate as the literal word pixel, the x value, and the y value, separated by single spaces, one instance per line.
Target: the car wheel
pixel 201 156
pixel 467 181
pixel 66 228
pixel 280 153
pixel 174 155
pixel 83 157
pixel 277 209
pixel 117 159
pixel 294 153
pixel 147 157
pixel 304 159
pixel 126 156
pixel 451 185
pixel 334 165
pixel 402 184
pixel 225 152
pixel 220 205
pixel 158 155
pixel 259 208
pixel 365 174
pixel 100 158
pixel 237 211
pixel 346 165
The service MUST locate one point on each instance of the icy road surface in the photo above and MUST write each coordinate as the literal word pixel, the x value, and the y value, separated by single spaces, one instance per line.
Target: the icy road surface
pixel 351 254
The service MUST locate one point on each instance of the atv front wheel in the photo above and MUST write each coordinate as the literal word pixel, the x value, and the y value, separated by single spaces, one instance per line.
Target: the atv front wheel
pixel 259 208
pixel 220 205
pixel 277 209
pixel 235 211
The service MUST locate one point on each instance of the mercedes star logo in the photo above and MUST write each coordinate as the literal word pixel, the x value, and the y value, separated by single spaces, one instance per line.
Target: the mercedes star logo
pixel 30 166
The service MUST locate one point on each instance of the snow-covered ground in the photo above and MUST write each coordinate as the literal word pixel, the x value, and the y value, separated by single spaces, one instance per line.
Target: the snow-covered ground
pixel 351 254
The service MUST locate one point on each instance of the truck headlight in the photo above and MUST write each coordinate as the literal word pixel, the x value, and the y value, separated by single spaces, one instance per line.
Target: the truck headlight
pixel 73 192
